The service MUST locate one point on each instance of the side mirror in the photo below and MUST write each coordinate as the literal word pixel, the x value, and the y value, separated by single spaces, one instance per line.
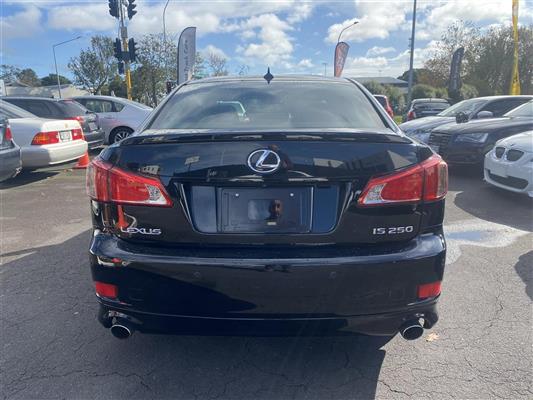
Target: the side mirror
pixel 461 117
pixel 485 114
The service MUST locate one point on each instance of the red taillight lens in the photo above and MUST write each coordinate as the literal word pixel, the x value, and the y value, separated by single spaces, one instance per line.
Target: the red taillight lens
pixel 7 134
pixel 106 290
pixel 45 138
pixel 429 290
pixel 79 118
pixel 427 181
pixel 77 134
pixel 411 115
pixel 105 183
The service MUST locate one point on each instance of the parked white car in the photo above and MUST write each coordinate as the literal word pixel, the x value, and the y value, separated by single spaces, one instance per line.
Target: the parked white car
pixel 118 117
pixel 509 165
pixel 43 142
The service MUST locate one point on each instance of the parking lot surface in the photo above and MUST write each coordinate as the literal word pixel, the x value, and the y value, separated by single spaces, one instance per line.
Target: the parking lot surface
pixel 53 347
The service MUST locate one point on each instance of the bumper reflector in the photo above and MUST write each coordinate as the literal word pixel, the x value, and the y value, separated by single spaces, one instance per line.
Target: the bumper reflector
pixel 429 290
pixel 106 290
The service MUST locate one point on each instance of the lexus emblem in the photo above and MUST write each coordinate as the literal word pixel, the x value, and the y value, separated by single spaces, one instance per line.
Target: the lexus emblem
pixel 264 161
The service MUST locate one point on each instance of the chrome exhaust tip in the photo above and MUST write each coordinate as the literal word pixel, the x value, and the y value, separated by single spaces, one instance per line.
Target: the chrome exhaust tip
pixel 412 330
pixel 121 330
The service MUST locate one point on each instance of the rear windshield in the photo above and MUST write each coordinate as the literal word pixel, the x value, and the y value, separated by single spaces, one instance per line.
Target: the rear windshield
pixel 431 106
pixel 256 105
pixel 71 108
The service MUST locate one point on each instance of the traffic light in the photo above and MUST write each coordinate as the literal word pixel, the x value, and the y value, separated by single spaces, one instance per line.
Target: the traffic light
pixel 131 8
pixel 117 47
pixel 121 68
pixel 132 49
pixel 113 8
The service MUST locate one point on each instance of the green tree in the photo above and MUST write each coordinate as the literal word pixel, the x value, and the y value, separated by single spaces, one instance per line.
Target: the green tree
pixel 199 70
pixel 375 88
pixel 468 91
pixel 51 80
pixel 28 77
pixel 9 72
pixel 459 34
pixel 421 91
pixel 95 66
pixel 156 62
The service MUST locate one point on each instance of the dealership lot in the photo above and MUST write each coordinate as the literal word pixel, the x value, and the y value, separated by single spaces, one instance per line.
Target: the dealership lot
pixel 52 346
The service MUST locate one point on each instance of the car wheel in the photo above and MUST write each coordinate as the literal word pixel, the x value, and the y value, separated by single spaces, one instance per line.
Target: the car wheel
pixel 120 133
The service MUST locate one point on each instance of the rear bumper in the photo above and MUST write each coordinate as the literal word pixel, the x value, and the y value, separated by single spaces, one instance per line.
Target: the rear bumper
pixel 10 164
pixel 42 156
pixel 369 293
pixel 95 138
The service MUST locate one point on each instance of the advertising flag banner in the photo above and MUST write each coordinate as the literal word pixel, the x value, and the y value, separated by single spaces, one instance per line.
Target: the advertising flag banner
pixel 186 54
pixel 341 52
pixel 455 70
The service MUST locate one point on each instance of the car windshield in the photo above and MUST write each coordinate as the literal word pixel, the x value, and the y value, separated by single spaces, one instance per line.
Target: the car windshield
pixel 12 111
pixel 465 106
pixel 71 108
pixel 432 106
pixel 256 105
pixel 525 110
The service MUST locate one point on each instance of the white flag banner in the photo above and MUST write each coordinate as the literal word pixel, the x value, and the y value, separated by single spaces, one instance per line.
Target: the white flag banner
pixel 186 54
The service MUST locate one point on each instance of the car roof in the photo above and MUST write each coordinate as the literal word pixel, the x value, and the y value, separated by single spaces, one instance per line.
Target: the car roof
pixel 99 97
pixel 430 100
pixel 257 78
pixel 32 98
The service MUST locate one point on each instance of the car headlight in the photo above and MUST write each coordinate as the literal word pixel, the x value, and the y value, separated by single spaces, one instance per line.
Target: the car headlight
pixel 472 137
pixel 420 134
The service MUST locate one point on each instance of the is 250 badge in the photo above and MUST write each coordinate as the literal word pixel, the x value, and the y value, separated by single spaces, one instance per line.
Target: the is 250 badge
pixel 393 230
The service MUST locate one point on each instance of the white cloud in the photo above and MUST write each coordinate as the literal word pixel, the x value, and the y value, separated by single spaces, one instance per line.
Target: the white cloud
pixel 275 46
pixel 210 49
pixel 25 23
pixel 377 51
pixel 300 12
pixel 377 19
pixel 90 17
pixel 306 63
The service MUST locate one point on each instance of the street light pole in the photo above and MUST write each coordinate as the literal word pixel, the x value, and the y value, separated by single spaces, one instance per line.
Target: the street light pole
pixel 55 61
pixel 325 65
pixel 349 26
pixel 410 81
pixel 165 39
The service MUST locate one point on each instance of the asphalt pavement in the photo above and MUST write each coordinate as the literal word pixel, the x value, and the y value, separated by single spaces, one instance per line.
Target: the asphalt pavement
pixel 53 348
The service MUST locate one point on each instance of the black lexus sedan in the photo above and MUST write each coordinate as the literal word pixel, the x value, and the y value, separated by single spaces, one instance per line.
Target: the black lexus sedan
pixel 467 143
pixel 255 206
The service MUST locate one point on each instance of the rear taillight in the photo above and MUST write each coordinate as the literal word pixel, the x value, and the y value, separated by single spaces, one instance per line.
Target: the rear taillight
pixel 427 181
pixel 45 138
pixel 110 184
pixel 78 118
pixel 8 136
pixel 411 115
pixel 77 134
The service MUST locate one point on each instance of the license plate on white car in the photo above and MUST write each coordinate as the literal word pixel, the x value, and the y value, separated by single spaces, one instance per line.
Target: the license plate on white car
pixel 65 136
pixel 92 126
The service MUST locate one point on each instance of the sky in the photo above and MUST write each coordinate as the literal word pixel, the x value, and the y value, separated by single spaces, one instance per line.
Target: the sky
pixel 290 36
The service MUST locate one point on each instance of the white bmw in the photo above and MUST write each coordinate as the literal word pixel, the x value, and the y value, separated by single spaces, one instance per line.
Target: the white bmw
pixel 509 165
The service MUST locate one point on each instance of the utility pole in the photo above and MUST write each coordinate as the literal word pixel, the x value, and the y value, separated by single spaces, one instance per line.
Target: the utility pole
pixel 325 64
pixel 411 55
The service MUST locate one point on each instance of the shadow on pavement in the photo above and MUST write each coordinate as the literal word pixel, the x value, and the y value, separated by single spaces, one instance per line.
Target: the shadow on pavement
pixel 54 347
pixel 27 177
pixel 489 203
pixel 524 269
